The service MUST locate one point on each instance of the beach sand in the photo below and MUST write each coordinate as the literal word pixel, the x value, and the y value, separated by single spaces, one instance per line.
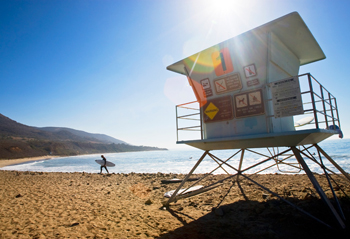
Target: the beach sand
pixel 7 162
pixel 86 205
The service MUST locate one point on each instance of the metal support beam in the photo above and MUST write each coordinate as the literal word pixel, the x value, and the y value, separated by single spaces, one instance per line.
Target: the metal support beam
pixel 332 161
pixel 240 164
pixel 340 210
pixel 317 186
pixel 299 154
pixel 286 201
pixel 172 198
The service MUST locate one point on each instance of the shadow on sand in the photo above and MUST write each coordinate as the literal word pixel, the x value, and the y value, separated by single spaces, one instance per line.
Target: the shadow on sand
pixel 252 219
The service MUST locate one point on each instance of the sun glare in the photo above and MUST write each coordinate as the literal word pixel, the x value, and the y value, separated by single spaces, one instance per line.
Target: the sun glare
pixel 218 20
pixel 228 8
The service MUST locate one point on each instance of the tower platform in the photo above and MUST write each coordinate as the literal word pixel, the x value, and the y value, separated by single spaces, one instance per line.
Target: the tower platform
pixel 284 139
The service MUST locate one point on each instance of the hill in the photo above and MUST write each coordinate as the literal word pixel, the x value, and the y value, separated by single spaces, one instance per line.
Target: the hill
pixel 18 140
pixel 88 136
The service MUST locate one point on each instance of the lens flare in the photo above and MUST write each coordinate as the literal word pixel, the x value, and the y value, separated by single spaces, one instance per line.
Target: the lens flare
pixel 177 90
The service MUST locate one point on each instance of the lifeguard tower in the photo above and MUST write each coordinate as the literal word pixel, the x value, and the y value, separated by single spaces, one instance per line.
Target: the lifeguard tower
pixel 250 96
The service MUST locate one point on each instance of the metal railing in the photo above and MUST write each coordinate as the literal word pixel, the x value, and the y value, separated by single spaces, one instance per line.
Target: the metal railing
pixel 319 102
pixel 188 118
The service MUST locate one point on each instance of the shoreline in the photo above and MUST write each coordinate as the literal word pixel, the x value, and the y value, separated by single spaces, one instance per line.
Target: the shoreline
pixel 9 162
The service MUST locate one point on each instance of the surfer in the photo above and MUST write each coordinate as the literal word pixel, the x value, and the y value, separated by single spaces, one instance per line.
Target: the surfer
pixel 104 165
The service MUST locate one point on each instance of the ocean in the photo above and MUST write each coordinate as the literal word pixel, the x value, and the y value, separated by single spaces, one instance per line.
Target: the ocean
pixel 182 161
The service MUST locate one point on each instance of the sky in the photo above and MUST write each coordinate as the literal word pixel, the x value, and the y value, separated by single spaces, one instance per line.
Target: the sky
pixel 100 66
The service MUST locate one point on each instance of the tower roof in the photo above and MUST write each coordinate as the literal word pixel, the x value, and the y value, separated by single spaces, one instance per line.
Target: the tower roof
pixel 291 30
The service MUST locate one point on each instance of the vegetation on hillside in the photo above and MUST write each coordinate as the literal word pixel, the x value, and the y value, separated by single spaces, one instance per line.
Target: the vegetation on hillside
pixel 18 141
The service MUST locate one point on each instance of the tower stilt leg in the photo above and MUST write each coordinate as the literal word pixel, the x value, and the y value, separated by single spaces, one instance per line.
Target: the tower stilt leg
pixel 332 161
pixel 240 164
pixel 172 198
pixel 317 186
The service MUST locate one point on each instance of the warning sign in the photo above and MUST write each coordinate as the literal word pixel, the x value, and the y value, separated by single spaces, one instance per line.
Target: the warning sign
pixel 249 71
pixel 249 104
pixel 207 87
pixel 255 98
pixel 286 97
pixel 211 110
pixel 241 101
pixel 220 85
pixel 218 109
pixel 228 83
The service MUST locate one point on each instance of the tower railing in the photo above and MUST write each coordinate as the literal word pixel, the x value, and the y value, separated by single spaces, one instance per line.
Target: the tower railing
pixel 188 120
pixel 318 102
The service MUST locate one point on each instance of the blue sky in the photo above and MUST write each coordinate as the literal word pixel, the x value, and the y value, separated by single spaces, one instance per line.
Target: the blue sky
pixel 100 66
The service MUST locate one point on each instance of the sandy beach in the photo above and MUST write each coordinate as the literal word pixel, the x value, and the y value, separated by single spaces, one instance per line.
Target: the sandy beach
pixel 86 205
pixel 7 162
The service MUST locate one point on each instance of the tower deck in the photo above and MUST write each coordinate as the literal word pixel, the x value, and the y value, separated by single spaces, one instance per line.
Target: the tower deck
pixel 284 139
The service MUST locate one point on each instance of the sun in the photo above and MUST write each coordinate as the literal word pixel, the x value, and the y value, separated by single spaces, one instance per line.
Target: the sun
pixel 229 17
pixel 214 21
pixel 229 8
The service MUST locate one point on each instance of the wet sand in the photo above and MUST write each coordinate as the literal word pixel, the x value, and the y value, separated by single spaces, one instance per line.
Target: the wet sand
pixel 7 162
pixel 86 205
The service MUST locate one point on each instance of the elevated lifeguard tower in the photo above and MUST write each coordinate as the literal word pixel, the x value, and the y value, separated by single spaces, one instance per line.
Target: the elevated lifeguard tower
pixel 250 95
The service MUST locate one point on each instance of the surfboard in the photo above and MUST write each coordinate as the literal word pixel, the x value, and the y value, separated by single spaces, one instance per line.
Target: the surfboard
pixel 303 121
pixel 191 189
pixel 101 162
pixel 176 180
pixel 336 128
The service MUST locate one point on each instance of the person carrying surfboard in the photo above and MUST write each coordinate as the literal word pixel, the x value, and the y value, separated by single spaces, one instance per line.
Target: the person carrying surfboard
pixel 104 165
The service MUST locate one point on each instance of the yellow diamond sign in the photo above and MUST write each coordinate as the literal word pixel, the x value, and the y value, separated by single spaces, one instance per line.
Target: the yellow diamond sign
pixel 211 110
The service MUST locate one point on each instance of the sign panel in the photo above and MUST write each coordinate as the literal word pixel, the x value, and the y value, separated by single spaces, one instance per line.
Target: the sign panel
pixel 218 109
pixel 253 82
pixel 211 110
pixel 250 71
pixel 229 83
pixel 249 104
pixel 207 87
pixel 222 62
pixel 286 97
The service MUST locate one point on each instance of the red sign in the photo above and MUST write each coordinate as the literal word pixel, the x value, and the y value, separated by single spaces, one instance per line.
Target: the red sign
pixel 222 62
pixel 228 83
